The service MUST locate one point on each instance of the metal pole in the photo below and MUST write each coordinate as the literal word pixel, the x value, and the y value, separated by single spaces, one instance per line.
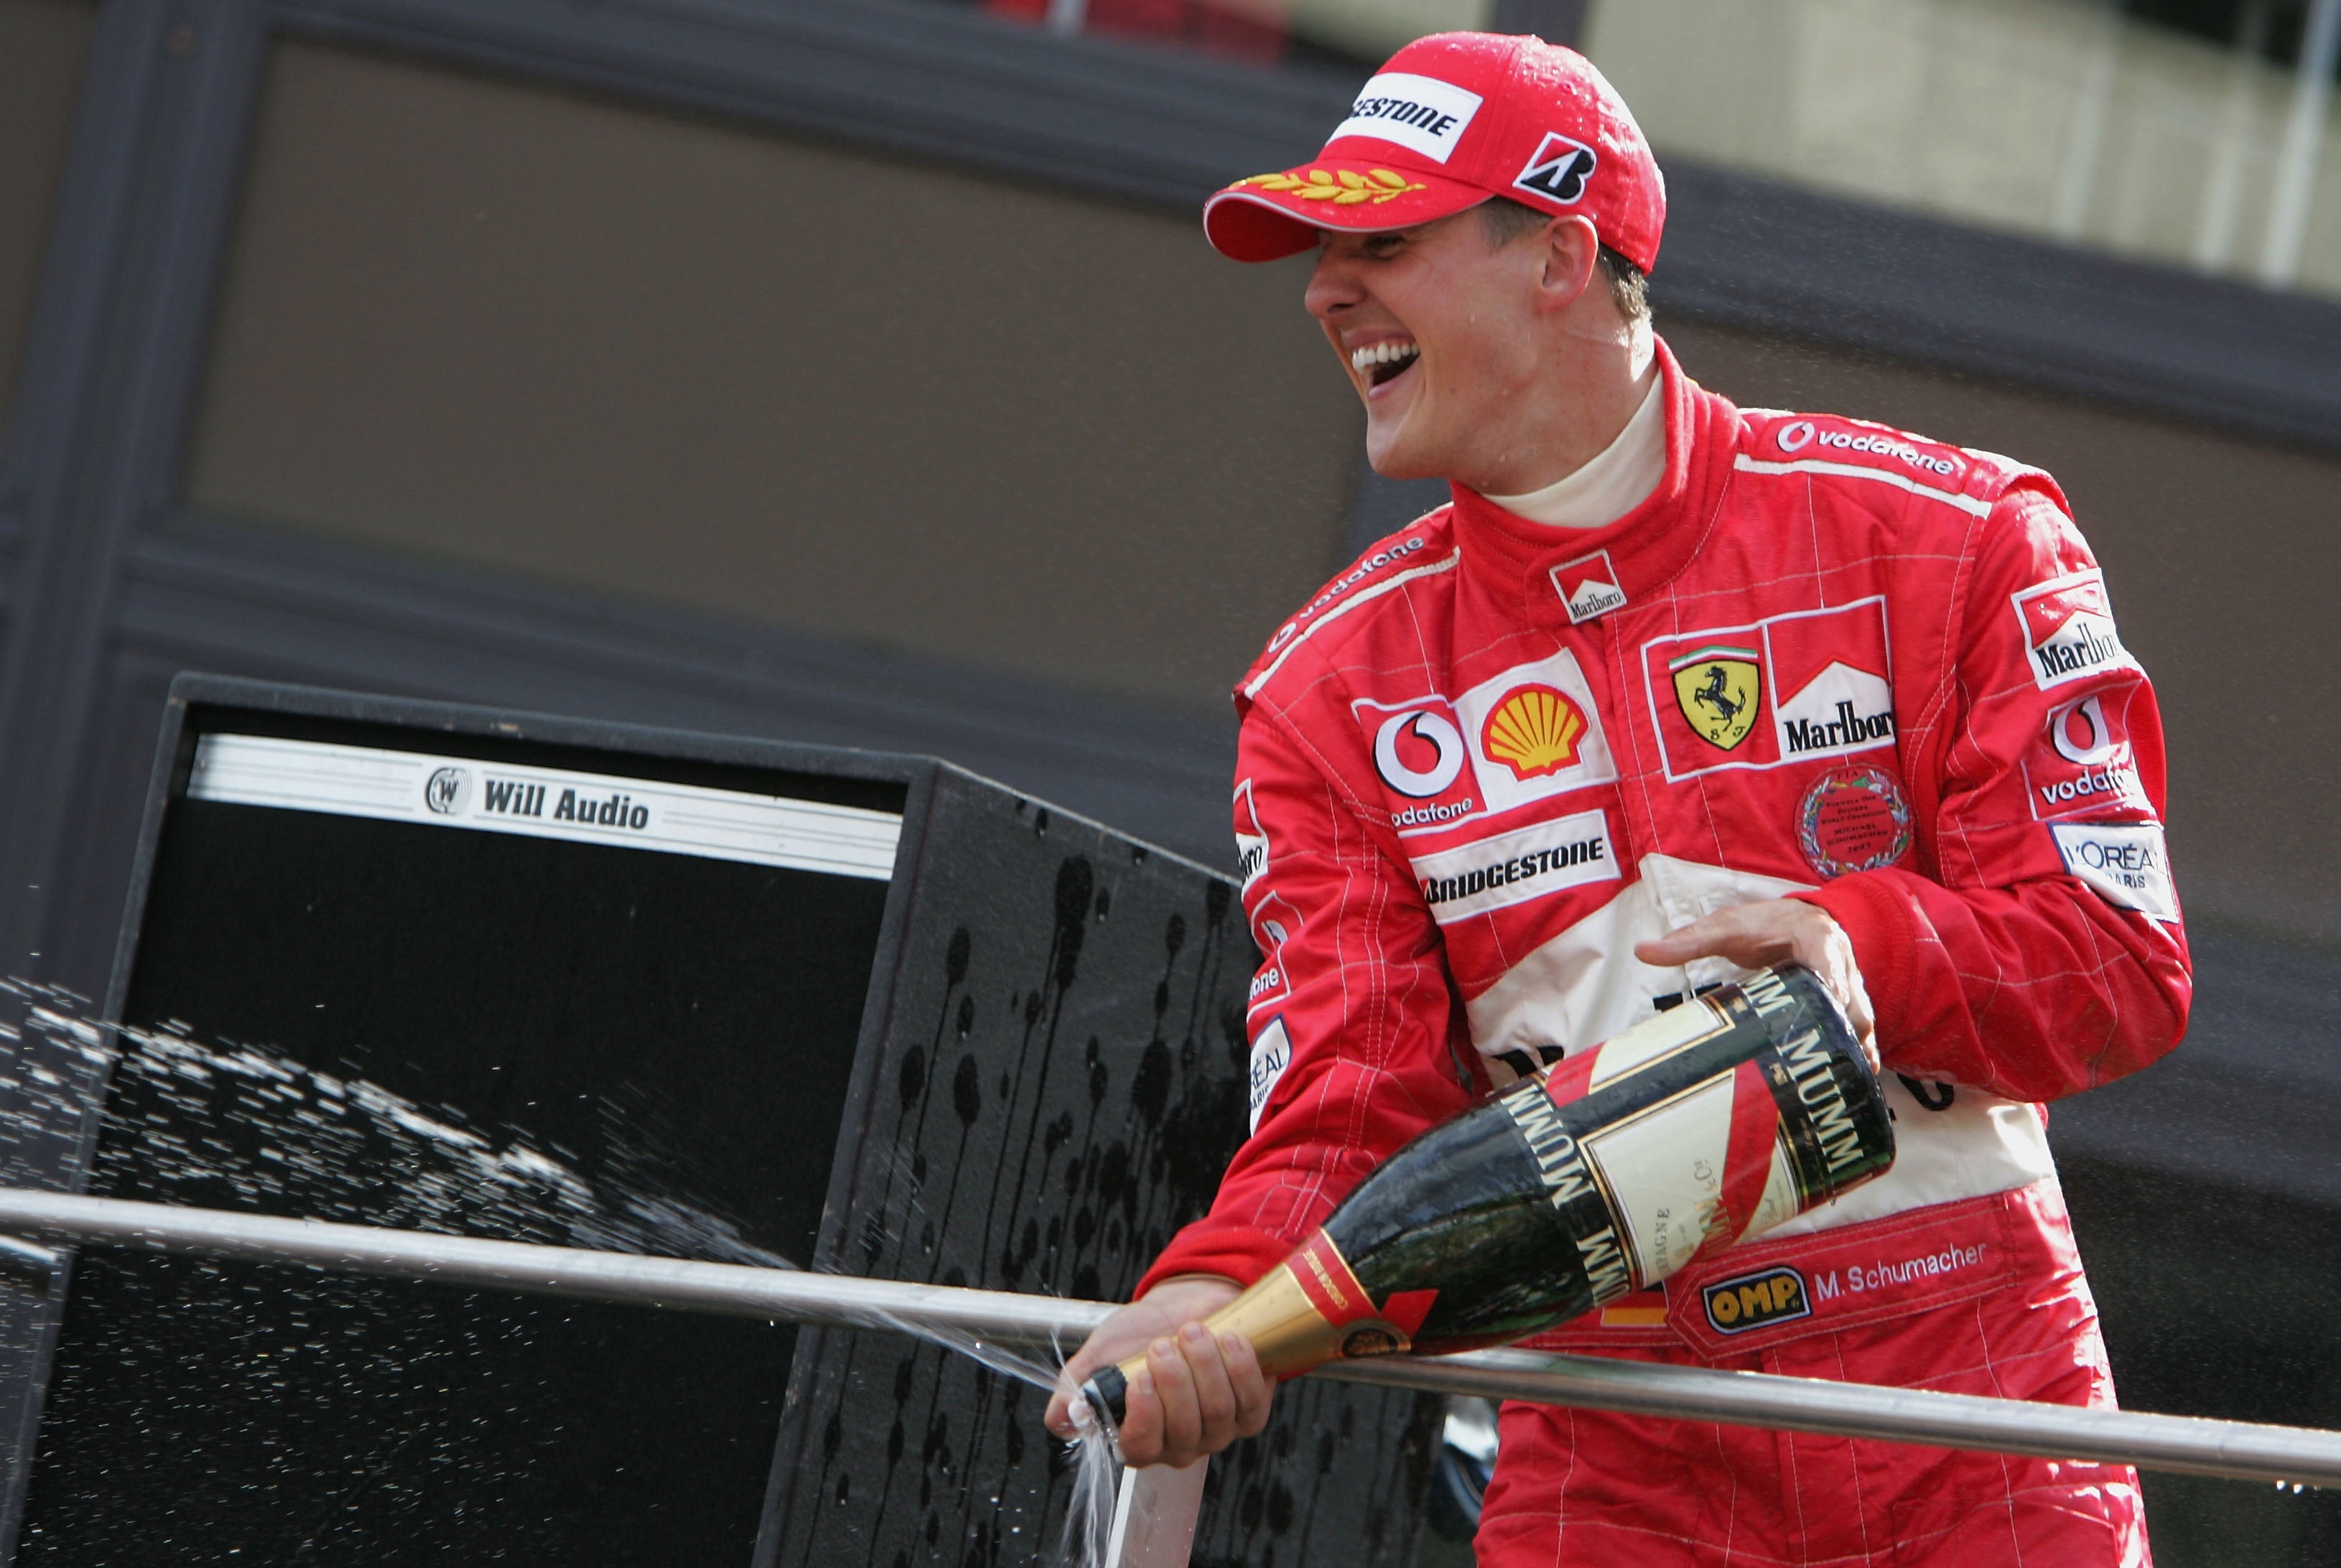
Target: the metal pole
pixel 2223 186
pixel 2238 1450
pixel 2085 137
pixel 723 1289
pixel 2303 144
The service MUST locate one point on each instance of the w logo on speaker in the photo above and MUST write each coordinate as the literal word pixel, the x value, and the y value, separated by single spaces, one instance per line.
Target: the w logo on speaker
pixel 1558 171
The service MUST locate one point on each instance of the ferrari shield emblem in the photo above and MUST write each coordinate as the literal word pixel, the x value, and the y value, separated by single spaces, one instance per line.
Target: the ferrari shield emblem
pixel 1718 689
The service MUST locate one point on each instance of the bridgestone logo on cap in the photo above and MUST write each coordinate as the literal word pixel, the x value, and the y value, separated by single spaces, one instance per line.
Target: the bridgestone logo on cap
pixel 1421 112
pixel 1558 171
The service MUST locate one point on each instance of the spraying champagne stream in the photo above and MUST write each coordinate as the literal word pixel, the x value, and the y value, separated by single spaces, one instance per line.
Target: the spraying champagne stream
pixel 969 1320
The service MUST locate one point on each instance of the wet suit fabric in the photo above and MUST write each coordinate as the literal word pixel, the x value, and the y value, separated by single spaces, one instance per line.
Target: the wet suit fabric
pixel 1824 659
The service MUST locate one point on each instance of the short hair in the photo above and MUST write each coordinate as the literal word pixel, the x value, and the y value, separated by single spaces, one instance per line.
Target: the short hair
pixel 1504 219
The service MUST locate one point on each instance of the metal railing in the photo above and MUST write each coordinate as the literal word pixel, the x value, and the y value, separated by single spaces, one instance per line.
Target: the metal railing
pixel 2244 1451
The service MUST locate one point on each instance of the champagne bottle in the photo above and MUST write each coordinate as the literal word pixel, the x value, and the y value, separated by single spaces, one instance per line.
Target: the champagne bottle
pixel 1600 1175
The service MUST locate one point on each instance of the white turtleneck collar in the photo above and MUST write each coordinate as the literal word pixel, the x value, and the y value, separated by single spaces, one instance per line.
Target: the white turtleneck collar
pixel 1613 484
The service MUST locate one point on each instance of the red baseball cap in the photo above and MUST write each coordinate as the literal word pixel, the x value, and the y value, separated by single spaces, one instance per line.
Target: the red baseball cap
pixel 1450 121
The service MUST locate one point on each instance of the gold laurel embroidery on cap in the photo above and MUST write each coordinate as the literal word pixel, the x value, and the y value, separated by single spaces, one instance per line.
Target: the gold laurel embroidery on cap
pixel 1345 189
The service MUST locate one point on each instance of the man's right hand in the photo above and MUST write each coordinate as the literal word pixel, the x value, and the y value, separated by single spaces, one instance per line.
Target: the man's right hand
pixel 1197 1393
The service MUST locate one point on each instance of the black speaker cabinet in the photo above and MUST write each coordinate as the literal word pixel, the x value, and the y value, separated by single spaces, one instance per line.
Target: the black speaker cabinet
pixel 870 1013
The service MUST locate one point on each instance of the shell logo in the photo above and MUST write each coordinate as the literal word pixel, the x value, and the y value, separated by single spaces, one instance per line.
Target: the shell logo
pixel 1533 732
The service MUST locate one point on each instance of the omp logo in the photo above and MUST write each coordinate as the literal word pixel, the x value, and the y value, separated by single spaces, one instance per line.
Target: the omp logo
pixel 1757 1301
pixel 446 790
pixel 1422 113
pixel 1533 731
pixel 1558 171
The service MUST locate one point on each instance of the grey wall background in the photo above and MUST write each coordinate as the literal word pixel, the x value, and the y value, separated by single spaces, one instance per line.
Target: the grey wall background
pixel 41 46
pixel 681 361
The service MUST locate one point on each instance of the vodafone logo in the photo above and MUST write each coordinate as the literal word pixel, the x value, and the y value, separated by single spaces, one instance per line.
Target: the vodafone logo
pixel 1799 433
pixel 1396 762
pixel 2095 770
pixel 1423 754
pixel 2082 737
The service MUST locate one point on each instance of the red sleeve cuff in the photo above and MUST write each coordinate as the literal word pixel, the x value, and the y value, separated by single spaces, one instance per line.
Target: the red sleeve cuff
pixel 1231 1252
pixel 1884 929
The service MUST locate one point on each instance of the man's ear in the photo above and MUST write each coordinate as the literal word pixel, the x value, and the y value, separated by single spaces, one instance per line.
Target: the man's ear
pixel 1572 253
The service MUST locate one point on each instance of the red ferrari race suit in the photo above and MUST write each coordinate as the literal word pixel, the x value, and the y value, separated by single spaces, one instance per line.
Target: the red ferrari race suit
pixel 1824 659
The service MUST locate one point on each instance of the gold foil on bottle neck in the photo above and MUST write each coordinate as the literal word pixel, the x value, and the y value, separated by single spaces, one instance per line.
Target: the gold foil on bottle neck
pixel 1286 1332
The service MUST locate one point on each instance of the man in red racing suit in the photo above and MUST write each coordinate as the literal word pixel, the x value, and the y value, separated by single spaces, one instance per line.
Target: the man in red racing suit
pixel 1501 785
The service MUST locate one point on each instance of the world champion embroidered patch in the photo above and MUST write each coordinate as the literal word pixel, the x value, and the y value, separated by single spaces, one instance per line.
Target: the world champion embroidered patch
pixel 1853 818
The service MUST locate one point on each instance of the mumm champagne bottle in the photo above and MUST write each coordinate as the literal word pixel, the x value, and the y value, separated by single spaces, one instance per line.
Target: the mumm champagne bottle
pixel 1600 1175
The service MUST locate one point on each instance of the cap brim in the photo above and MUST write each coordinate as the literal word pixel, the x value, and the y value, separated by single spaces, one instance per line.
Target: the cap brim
pixel 1271 216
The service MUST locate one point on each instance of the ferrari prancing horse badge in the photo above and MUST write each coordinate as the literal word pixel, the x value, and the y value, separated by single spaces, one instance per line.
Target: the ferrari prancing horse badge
pixel 1719 689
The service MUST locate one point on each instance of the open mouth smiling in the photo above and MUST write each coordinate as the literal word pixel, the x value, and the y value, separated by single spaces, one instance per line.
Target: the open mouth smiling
pixel 1383 363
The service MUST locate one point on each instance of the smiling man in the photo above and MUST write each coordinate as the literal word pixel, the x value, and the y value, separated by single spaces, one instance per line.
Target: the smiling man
pixel 1671 690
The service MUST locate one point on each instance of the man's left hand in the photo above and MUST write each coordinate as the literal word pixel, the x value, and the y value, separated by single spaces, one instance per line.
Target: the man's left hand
pixel 1775 931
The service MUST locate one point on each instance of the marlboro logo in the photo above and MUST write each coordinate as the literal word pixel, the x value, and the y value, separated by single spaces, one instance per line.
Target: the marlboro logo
pixel 2068 630
pixel 1589 586
pixel 1796 687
